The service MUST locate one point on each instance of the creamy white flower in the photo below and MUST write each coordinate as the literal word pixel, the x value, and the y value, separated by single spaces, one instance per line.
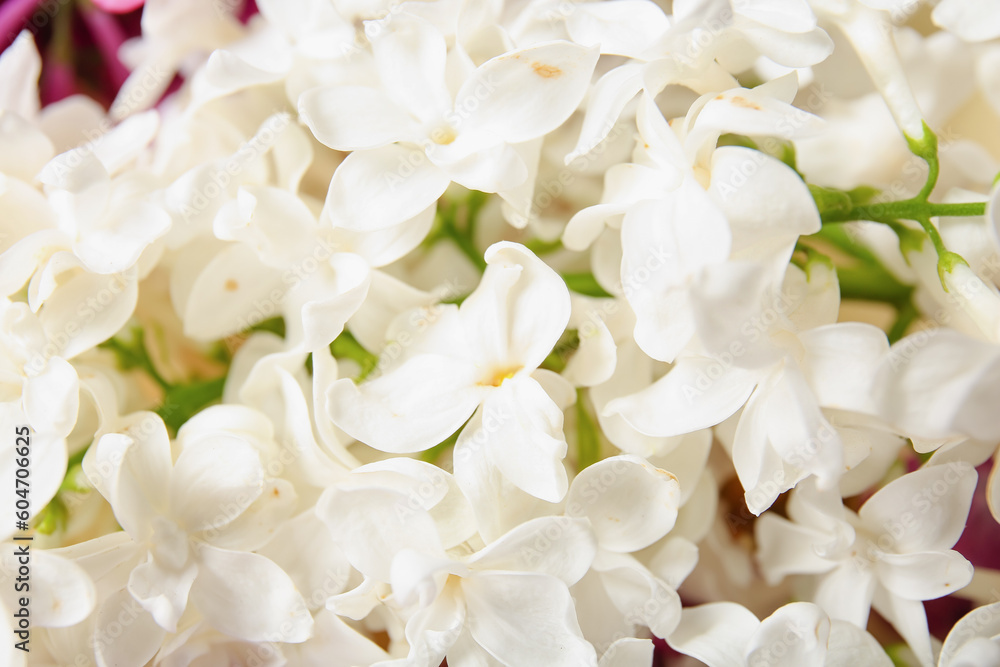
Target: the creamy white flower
pixel 176 36
pixel 688 53
pixel 475 360
pixel 34 375
pixel 784 360
pixel 725 634
pixel 61 593
pixel 973 641
pixel 404 522
pixel 191 523
pixel 934 385
pixel 412 136
pixel 630 505
pixel 892 554
pixel 973 22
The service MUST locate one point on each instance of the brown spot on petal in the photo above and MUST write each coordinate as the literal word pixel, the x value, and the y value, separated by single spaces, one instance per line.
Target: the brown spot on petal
pixel 231 285
pixel 745 103
pixel 546 71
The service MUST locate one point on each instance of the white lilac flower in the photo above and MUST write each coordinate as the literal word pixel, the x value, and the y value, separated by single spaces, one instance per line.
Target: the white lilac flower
pixel 190 526
pixel 694 49
pixel 61 593
pixel 725 634
pixel 412 136
pixel 477 360
pixel 284 410
pixel 631 505
pixel 892 554
pixel 508 602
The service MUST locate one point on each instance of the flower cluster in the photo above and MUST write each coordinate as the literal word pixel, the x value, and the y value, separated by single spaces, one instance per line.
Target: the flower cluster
pixel 544 333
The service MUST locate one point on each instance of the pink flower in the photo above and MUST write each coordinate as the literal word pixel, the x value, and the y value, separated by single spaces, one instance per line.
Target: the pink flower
pixel 119 6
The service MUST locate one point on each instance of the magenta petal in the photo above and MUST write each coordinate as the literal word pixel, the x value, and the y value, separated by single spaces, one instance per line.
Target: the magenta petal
pixel 108 35
pixel 119 6
pixel 58 81
pixel 15 16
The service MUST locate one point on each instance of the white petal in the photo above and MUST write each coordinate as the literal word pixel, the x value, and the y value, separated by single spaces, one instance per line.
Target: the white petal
pixel 789 49
pixel 435 630
pixel 385 246
pixel 88 309
pixel 52 399
pixel 410 56
pixel 840 363
pixel 25 150
pixel 133 473
pixel 373 524
pixel 923 510
pixel 520 429
pixel 527 93
pixel 607 100
pixel 982 622
pixel 793 16
pixel 741 111
pixel 526 619
pixel 686 399
pixel 623 27
pixel 558 546
pixel 846 592
pixel 595 359
pixel 933 384
pixel 786 548
pixel 628 652
pixel 62 594
pixel 767 209
pixel 419 578
pixel 319 572
pixel 337 644
pixel 798 431
pixel 663 253
pixel 851 646
pixel 630 503
pixel 214 482
pixel 481 162
pixel 519 310
pixel 275 223
pixel 317 308
pixel 924 576
pixel 410 409
pixel 20 66
pixel 382 187
pixel 249 597
pixel 161 591
pixel 438 493
pixel 233 293
pixel 717 633
pixel 349 118
pixel 639 595
pixel 135 645
pixel 795 635
pixel 972 22
pixel 910 621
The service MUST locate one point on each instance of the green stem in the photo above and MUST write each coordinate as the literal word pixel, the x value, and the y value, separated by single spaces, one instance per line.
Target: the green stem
pixel 872 283
pixel 588 445
pixel 906 315
pixel 907 209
